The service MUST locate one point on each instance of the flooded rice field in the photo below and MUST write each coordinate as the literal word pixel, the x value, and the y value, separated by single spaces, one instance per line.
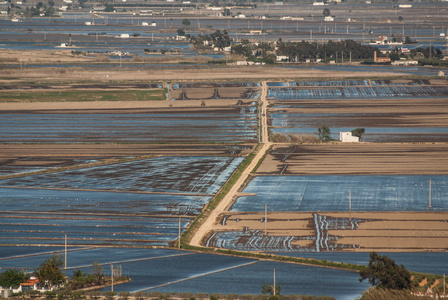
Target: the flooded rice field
pixel 331 193
pixel 144 202
pixel 167 270
pixel 424 262
pixel 373 92
pixel 366 82
pixel 220 125
pixel 43 217
pixel 194 175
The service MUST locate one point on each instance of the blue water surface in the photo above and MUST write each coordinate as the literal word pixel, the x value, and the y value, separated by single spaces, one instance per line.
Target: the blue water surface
pixel 331 193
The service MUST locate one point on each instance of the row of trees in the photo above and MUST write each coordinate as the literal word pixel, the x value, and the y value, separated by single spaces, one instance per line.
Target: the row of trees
pixel 300 51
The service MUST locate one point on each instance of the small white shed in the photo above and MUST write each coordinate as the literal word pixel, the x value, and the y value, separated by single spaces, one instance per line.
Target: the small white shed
pixel 347 137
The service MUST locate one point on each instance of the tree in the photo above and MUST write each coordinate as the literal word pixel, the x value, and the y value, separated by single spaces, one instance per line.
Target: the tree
pixel 267 288
pixel 382 272
pixel 180 32
pixel 359 132
pixel 97 271
pixel 326 12
pixel 324 133
pixel 407 40
pixel 12 278
pixel 49 272
pixel 226 13
pixel 186 22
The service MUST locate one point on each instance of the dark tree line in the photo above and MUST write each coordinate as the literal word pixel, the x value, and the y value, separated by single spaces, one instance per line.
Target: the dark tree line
pixel 300 51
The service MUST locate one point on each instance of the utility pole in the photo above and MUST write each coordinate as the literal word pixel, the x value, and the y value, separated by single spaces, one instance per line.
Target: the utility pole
pixel 265 218
pixel 112 276
pixel 274 288
pixel 429 206
pixel 350 205
pixel 179 234
pixel 66 252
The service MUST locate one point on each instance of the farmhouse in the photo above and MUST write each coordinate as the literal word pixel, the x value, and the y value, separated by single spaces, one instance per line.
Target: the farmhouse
pixel 381 40
pixel 347 137
pixel 31 284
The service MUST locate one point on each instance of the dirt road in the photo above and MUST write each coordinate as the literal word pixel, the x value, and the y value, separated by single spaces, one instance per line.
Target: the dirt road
pixel 227 201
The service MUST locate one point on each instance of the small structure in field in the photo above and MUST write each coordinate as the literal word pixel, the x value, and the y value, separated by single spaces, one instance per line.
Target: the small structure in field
pixel 347 137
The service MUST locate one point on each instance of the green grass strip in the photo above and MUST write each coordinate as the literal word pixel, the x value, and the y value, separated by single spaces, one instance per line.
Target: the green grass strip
pixel 82 95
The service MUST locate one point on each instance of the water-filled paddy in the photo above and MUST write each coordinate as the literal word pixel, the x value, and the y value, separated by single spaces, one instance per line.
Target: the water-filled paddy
pixel 425 262
pixel 373 92
pixel 195 175
pixel 181 271
pixel 36 216
pixel 331 193
pixel 223 125
pixel 365 82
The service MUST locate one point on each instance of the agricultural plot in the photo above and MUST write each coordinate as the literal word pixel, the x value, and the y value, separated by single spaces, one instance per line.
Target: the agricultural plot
pixel 215 85
pixel 85 204
pixel 331 231
pixel 365 82
pixel 424 262
pixel 412 119
pixel 23 165
pixel 193 175
pixel 356 159
pixel 228 125
pixel 82 86
pixel 325 213
pixel 331 193
pixel 374 92
pixel 223 91
pixel 43 217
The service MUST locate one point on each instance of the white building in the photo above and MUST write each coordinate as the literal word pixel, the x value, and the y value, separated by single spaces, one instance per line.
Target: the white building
pixel 347 137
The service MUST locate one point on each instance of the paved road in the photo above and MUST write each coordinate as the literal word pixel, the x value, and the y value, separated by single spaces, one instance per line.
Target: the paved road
pixel 227 201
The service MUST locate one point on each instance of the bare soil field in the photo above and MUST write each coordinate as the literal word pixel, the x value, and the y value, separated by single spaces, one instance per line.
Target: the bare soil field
pixel 362 231
pixel 153 74
pixel 213 93
pixel 360 159
pixel 419 112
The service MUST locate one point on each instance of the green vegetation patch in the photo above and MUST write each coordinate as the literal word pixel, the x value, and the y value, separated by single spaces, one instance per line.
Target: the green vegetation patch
pixel 82 95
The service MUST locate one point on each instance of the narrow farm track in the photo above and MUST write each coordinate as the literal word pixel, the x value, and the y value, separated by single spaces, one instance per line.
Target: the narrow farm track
pixel 228 199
